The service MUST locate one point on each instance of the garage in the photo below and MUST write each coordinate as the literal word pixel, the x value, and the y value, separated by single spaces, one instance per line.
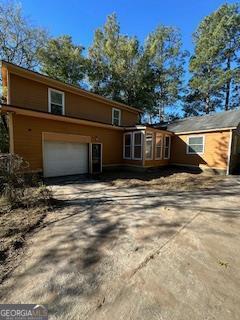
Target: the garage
pixel 64 158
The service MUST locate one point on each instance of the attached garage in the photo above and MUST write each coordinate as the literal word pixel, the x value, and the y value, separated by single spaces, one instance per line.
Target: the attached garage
pixel 61 158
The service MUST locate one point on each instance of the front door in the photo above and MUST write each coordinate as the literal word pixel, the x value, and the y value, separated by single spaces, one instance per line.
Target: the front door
pixel 96 158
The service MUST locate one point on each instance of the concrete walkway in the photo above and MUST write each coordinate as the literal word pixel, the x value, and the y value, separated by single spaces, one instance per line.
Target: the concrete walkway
pixel 134 253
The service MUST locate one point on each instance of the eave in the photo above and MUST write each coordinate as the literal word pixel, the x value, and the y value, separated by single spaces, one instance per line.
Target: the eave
pixel 49 116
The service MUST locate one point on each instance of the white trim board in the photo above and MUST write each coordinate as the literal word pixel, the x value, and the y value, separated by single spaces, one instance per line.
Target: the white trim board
pixel 229 152
pixel 201 131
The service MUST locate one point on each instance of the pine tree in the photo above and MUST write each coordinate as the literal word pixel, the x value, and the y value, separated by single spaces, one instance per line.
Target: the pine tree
pixel 63 60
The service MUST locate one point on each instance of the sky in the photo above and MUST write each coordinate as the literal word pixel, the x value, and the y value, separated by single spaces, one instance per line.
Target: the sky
pixel 80 18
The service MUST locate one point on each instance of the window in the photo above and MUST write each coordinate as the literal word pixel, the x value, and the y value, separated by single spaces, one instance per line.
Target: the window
pixel 137 145
pixel 149 146
pixel 158 151
pixel 167 141
pixel 127 146
pixel 116 117
pixel 56 102
pixel 195 145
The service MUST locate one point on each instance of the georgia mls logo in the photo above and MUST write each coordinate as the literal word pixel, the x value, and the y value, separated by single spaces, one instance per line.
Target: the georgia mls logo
pixel 39 311
pixel 23 312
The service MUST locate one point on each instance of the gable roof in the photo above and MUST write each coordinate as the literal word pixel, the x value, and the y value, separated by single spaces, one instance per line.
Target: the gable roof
pixel 221 120
pixel 39 77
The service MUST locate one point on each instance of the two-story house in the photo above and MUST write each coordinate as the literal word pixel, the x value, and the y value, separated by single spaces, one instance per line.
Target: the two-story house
pixel 61 129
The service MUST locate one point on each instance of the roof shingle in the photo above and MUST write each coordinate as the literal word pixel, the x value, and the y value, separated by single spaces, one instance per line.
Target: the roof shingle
pixel 220 120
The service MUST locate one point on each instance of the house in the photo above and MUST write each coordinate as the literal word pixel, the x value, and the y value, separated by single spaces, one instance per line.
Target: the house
pixel 61 129
pixel 210 142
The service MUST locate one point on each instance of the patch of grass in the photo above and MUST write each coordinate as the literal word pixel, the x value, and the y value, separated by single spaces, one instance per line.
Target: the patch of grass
pixel 174 182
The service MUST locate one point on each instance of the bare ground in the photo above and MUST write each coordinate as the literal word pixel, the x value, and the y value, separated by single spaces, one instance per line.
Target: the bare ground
pixel 120 250
pixel 17 222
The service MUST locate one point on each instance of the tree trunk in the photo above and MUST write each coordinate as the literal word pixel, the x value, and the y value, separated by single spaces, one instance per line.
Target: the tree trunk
pixel 207 105
pixel 228 86
pixel 161 113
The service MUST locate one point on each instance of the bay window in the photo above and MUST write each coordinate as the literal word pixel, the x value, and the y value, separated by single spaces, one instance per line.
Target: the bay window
pixel 158 150
pixel 137 145
pixel 167 142
pixel 149 146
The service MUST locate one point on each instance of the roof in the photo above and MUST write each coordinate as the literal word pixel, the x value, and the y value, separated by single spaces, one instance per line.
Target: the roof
pixel 68 87
pixel 221 120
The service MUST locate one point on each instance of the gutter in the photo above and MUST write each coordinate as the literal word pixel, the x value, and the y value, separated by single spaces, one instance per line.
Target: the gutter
pixel 206 130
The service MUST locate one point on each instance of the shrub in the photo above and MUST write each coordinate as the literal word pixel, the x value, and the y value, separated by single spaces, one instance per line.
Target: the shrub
pixel 17 187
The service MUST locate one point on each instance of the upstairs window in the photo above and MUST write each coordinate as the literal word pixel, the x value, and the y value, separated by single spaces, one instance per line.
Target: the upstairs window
pixel 167 142
pixel 158 151
pixel 149 146
pixel 127 147
pixel 56 102
pixel 137 145
pixel 195 145
pixel 116 117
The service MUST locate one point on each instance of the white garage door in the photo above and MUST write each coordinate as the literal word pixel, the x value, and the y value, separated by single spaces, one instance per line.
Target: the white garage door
pixel 65 158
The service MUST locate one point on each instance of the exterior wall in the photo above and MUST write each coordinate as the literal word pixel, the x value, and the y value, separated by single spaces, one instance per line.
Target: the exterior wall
pixel 215 154
pixel 27 134
pixel 31 94
pixel 154 162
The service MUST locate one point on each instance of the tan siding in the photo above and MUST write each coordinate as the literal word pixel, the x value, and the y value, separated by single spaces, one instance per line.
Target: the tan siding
pixel 34 95
pixel 215 153
pixel 28 138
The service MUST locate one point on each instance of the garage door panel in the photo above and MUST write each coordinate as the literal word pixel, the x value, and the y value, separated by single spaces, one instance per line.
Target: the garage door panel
pixel 65 158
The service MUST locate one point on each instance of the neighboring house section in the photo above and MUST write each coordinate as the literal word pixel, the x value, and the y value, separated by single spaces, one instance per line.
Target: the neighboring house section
pixel 61 129
pixel 210 142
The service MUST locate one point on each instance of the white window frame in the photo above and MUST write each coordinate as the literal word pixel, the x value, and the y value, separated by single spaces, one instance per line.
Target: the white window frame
pixel 156 146
pixel 203 144
pixel 119 119
pixel 148 133
pixel 131 143
pixel 138 145
pixel 49 100
pixel 169 148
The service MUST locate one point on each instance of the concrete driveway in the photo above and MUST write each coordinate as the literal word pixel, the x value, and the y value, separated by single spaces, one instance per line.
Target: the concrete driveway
pixel 134 253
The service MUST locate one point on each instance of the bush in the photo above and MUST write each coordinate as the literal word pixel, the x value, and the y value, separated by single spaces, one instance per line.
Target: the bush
pixel 16 187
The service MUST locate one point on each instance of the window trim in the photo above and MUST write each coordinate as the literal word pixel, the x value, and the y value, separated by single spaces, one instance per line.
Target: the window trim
pixel 133 144
pixel 125 134
pixel 119 120
pixel 203 144
pixel 150 133
pixel 156 146
pixel 169 148
pixel 49 100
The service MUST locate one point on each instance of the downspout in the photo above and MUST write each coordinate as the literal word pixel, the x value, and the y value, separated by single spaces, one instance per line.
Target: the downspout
pixel 229 152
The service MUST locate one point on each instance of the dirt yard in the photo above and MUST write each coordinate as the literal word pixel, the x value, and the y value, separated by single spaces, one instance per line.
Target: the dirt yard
pixel 136 248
